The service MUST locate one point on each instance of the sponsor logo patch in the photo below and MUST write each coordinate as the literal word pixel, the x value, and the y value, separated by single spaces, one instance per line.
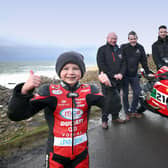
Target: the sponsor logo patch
pixel 137 51
pixel 63 101
pixel 57 92
pixel 87 90
pixel 58 141
pixel 67 113
pixel 55 87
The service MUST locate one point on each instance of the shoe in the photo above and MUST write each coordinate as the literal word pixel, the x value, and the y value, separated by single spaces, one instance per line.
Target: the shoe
pixel 138 115
pixel 132 115
pixel 119 120
pixel 104 125
pixel 127 117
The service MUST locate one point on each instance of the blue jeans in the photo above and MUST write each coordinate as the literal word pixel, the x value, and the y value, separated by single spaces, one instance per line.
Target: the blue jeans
pixel 135 86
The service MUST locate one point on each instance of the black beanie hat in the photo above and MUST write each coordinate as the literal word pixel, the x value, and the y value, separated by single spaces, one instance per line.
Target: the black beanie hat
pixel 70 57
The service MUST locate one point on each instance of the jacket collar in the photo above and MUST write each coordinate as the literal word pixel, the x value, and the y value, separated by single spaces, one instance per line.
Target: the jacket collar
pixel 114 48
pixel 163 40
pixel 133 46
pixel 111 45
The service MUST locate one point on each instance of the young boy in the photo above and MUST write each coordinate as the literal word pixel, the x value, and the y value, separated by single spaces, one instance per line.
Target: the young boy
pixel 67 107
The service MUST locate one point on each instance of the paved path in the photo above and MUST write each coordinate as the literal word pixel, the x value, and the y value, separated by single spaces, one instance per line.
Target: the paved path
pixel 140 143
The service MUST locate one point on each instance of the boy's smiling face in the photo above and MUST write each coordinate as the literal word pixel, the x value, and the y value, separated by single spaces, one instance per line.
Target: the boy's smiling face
pixel 70 74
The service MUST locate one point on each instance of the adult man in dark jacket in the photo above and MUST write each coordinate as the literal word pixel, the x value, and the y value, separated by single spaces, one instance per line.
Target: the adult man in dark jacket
pixel 160 47
pixel 133 54
pixel 110 62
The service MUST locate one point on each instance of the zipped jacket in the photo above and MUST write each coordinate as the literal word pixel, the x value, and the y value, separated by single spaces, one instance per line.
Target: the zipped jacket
pixel 133 55
pixel 110 61
pixel 160 51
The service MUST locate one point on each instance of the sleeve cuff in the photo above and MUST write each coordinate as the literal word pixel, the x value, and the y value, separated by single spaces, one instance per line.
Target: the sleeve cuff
pixel 17 91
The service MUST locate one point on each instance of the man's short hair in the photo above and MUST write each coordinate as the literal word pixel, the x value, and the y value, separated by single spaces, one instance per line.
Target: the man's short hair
pixel 132 33
pixel 162 27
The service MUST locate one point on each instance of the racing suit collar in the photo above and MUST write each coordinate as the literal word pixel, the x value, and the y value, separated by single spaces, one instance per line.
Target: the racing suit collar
pixel 68 87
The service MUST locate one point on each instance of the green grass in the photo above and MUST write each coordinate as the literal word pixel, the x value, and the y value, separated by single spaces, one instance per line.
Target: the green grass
pixel 19 140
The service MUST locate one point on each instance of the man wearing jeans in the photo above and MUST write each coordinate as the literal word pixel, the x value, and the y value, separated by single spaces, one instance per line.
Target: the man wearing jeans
pixel 133 54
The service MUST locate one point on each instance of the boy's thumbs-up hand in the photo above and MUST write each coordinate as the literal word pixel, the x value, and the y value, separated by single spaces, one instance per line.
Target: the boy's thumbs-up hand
pixel 31 72
pixel 32 82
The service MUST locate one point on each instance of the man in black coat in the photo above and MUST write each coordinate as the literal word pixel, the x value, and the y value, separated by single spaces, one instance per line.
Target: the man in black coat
pixel 133 54
pixel 160 47
pixel 111 64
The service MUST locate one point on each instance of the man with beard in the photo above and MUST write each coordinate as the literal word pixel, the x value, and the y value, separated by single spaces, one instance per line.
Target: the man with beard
pixel 160 47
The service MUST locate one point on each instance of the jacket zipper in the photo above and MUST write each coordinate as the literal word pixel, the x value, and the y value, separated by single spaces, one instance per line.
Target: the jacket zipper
pixel 72 125
pixel 73 106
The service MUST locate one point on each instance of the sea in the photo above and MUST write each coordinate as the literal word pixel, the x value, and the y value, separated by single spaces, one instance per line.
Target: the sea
pixel 13 73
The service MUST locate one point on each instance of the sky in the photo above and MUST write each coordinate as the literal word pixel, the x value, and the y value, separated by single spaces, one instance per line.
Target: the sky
pixel 80 22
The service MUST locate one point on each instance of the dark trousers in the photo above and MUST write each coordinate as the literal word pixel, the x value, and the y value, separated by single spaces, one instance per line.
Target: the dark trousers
pixel 112 103
pixel 135 86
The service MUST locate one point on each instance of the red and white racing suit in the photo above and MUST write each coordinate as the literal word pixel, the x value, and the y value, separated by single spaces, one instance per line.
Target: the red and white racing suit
pixel 66 112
